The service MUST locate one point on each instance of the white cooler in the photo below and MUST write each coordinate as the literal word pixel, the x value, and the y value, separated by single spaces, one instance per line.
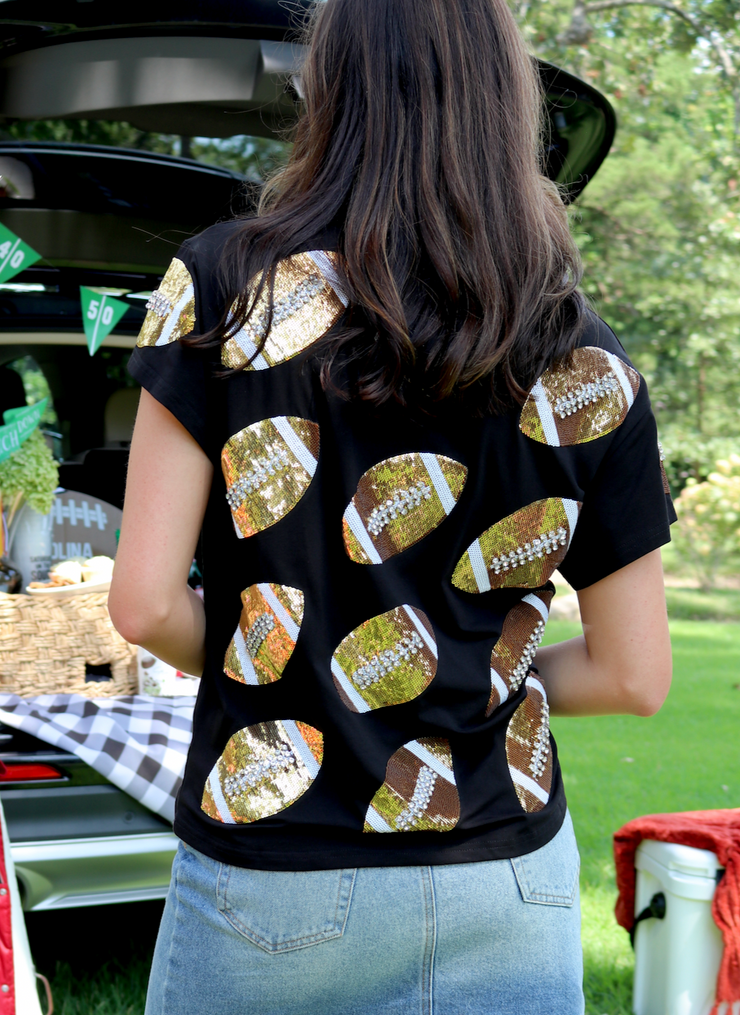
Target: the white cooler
pixel 676 958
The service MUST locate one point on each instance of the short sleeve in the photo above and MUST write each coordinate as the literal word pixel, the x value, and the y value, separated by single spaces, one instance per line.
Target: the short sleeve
pixel 176 375
pixel 626 511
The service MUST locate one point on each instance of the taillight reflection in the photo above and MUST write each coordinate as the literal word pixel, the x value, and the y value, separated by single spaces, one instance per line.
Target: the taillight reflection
pixel 27 772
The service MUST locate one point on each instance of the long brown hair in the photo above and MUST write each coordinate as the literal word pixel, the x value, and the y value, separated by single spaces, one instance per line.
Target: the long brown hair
pixel 421 141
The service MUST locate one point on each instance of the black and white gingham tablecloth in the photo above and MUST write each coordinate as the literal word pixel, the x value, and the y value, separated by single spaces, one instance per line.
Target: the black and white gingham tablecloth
pixel 137 742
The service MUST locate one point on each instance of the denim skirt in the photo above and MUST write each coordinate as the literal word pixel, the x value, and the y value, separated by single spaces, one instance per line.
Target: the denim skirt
pixel 501 937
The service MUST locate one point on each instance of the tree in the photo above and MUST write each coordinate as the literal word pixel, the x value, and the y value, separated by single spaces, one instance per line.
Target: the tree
pixel 713 23
pixel 659 227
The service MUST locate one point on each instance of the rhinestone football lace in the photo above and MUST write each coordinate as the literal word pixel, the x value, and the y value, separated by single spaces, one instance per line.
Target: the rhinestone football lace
pixel 521 669
pixel 401 503
pixel 258 631
pixel 541 745
pixel 286 306
pixel 586 394
pixel 277 760
pixel 382 664
pixel 256 477
pixel 545 542
pixel 159 304
pixel 419 801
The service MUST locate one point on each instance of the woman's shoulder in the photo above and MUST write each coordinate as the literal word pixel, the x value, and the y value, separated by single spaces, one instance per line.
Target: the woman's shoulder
pixel 209 245
pixel 212 243
pixel 596 333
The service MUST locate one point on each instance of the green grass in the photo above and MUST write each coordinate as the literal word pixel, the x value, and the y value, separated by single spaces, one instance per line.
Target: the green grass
pixel 118 987
pixel 685 758
pixel 693 604
pixel 97 958
pixel 607 956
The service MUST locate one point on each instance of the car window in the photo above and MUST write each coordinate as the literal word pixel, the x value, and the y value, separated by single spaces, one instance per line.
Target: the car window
pixel 92 398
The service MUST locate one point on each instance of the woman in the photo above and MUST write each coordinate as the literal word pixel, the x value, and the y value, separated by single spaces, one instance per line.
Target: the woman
pixel 386 406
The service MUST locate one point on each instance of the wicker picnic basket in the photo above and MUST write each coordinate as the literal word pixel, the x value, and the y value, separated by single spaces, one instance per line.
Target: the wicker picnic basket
pixel 47 644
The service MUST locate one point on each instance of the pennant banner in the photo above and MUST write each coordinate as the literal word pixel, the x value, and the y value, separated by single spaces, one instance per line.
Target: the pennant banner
pixel 15 255
pixel 100 315
pixel 19 424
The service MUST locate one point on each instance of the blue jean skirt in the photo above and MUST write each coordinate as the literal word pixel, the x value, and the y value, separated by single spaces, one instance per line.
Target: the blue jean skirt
pixel 500 937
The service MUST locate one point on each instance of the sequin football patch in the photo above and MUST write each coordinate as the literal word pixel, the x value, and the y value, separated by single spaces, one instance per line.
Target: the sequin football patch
pixel 579 402
pixel 268 467
pixel 170 310
pixel 387 660
pixel 398 502
pixel 520 551
pixel 513 653
pixel 528 748
pixel 307 300
pixel 264 769
pixel 266 636
pixel 663 473
pixel 419 793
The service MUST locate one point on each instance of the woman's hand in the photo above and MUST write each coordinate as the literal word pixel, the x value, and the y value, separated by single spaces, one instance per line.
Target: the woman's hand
pixel 622 663
pixel 169 480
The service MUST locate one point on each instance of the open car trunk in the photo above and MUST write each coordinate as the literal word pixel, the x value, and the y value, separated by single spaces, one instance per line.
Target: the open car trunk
pixel 218 70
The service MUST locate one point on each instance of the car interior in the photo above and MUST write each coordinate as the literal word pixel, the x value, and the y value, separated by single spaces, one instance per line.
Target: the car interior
pixel 131 211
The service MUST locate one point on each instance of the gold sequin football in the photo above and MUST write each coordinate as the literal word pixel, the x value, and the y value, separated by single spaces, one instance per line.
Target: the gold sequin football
pixel 419 793
pixel 528 750
pixel 266 634
pixel 264 769
pixel 268 467
pixel 387 660
pixel 585 399
pixel 522 550
pixel 398 502
pixel 514 652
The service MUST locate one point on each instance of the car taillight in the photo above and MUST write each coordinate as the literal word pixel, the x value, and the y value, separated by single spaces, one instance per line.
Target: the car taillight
pixel 23 772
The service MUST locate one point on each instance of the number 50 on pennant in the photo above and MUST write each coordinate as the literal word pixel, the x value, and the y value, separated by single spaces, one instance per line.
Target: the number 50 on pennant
pixel 100 315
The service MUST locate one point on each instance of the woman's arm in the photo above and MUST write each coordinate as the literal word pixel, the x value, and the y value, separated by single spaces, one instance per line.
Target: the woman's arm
pixel 622 663
pixel 169 480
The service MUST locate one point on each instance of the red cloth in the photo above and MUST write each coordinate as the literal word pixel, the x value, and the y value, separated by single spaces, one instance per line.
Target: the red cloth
pixel 718 831
pixel 7 976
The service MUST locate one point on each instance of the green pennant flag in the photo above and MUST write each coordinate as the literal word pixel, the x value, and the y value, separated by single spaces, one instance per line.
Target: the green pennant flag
pixel 15 255
pixel 19 424
pixel 100 315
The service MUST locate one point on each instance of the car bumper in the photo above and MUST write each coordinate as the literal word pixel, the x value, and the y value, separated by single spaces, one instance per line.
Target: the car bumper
pixel 60 874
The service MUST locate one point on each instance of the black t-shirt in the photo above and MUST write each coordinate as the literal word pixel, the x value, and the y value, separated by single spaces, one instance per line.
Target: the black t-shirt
pixel 376 587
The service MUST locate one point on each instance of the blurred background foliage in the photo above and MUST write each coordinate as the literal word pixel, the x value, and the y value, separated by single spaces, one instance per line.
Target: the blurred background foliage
pixel 659 227
pixel 708 530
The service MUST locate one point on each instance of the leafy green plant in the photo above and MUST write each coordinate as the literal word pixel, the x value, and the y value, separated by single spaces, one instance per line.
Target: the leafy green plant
pixel 31 475
pixel 36 387
pixel 708 531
